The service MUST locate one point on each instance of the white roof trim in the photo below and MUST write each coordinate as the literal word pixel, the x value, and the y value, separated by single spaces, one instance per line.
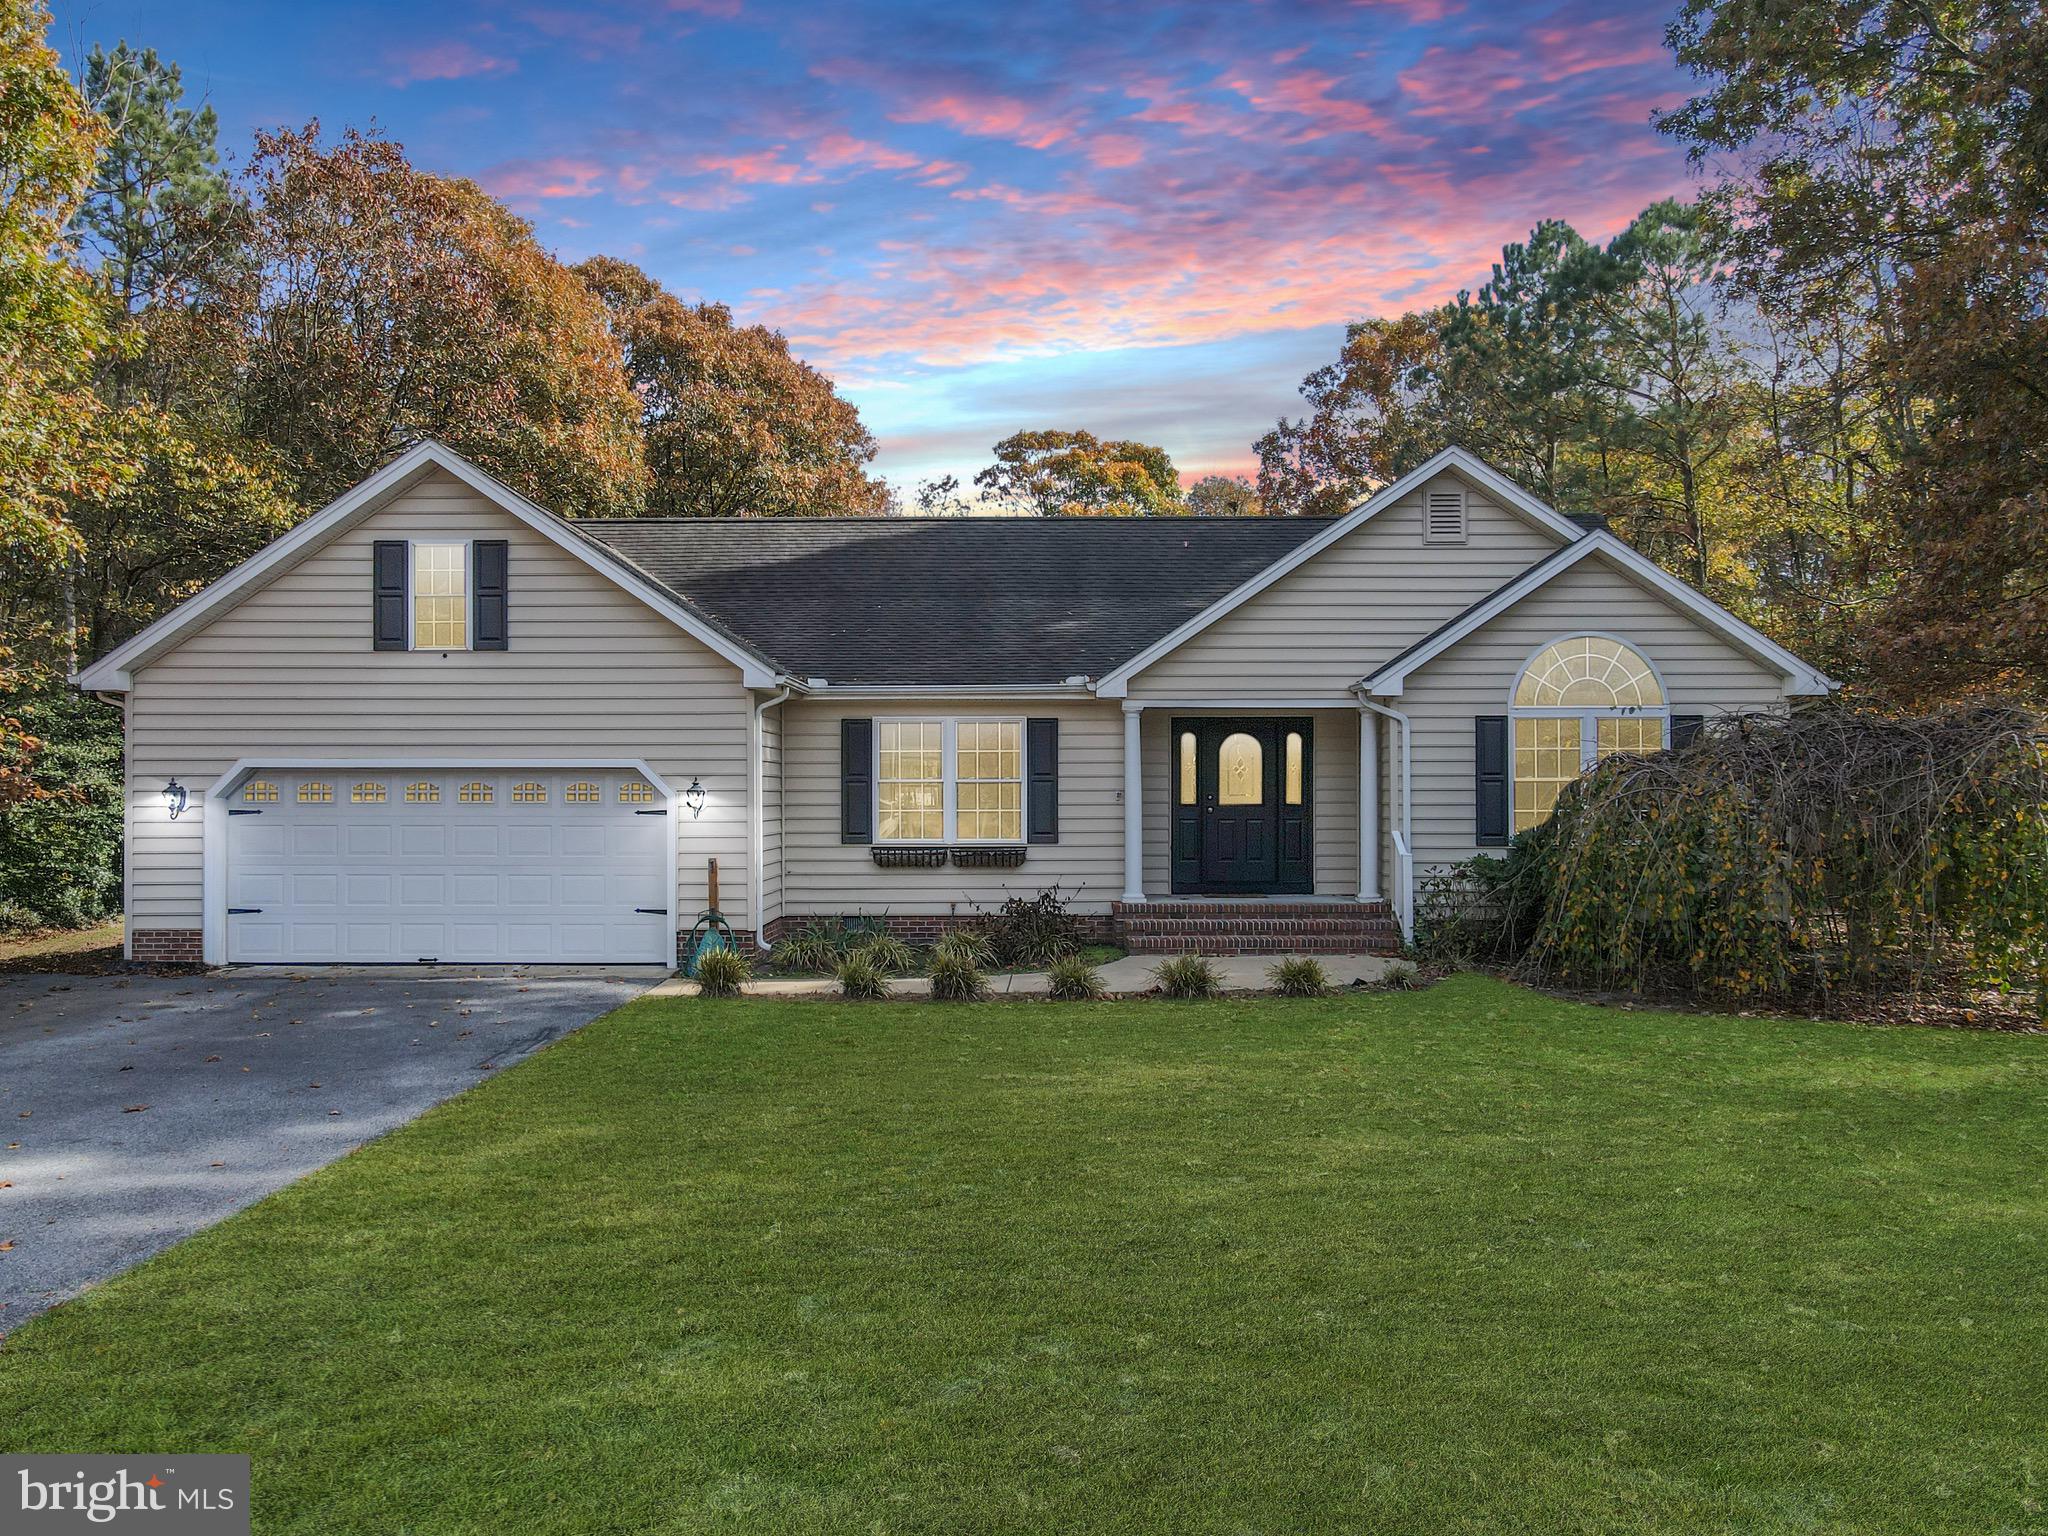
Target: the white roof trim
pixel 1115 684
pixel 1800 679
pixel 112 673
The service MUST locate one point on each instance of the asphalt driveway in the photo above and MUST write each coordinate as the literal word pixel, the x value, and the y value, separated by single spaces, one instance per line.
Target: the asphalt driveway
pixel 135 1110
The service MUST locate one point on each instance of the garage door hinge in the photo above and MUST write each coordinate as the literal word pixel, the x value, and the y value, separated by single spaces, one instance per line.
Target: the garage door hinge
pixel 650 813
pixel 237 811
pixel 242 911
pixel 653 911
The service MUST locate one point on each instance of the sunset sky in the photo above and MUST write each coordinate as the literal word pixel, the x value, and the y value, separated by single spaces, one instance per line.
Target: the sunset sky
pixel 1145 219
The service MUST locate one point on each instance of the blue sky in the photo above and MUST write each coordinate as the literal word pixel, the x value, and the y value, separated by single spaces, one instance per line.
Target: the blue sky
pixel 1144 219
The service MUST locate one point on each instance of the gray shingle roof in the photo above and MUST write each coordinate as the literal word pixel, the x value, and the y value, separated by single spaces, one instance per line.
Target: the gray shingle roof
pixel 935 602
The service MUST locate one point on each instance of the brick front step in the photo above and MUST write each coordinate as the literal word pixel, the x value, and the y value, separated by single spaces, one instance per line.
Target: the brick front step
pixel 1196 907
pixel 1201 927
pixel 1262 944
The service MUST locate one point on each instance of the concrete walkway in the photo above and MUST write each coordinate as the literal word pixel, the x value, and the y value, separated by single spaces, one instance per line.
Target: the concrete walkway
pixel 1127 977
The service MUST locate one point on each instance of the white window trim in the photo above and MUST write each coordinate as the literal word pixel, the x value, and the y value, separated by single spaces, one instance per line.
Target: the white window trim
pixel 1589 718
pixel 949 780
pixel 412 593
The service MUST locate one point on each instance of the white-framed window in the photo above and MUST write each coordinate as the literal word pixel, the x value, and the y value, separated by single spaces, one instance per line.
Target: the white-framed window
pixel 949 780
pixel 369 792
pixel 1578 700
pixel 440 595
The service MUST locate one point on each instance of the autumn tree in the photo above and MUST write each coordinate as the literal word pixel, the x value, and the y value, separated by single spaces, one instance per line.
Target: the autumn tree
pixel 52 326
pixel 1224 496
pixel 733 425
pixel 1076 474
pixel 1374 414
pixel 1890 185
pixel 397 305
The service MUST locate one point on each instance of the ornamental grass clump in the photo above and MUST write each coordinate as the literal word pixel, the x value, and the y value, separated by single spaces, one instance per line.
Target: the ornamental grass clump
pixel 964 944
pixel 1188 976
pixel 1828 850
pixel 722 972
pixel 888 953
pixel 1298 976
pixel 1073 980
pixel 956 979
pixel 860 979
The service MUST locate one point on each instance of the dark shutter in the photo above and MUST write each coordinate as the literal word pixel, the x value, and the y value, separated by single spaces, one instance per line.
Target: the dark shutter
pixel 1490 781
pixel 491 558
pixel 1042 792
pixel 1683 729
pixel 856 781
pixel 387 575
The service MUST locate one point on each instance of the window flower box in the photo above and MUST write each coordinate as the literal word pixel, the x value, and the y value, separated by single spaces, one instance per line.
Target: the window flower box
pixel 987 858
pixel 909 858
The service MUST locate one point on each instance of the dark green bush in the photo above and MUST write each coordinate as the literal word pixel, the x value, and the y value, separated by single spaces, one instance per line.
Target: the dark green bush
pixel 1030 931
pixel 60 849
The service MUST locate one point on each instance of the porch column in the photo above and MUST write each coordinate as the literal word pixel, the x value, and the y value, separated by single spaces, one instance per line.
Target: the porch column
pixel 1134 805
pixel 1368 806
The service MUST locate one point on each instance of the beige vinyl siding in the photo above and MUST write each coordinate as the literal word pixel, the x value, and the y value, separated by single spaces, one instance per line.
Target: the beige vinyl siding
pixel 289 672
pixel 1324 625
pixel 822 876
pixel 1333 795
pixel 1702 674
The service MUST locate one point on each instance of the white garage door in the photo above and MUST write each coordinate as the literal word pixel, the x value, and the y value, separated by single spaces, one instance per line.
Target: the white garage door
pixel 486 864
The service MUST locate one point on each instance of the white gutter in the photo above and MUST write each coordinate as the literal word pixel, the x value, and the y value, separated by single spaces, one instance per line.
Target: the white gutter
pixel 757 838
pixel 1404 835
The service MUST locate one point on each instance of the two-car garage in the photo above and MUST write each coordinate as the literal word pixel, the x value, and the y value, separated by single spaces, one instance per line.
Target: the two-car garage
pixel 452 864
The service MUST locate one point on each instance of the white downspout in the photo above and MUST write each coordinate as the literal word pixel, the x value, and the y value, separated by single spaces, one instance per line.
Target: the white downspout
pixel 1404 838
pixel 757 839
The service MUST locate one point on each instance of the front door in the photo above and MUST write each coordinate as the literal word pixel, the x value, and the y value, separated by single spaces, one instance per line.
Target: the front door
pixel 1241 806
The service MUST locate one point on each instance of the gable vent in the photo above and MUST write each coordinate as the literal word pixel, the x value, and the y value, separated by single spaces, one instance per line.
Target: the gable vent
pixel 1443 519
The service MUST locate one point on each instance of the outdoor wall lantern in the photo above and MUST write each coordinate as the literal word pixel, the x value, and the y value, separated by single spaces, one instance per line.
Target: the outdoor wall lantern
pixel 693 797
pixel 174 798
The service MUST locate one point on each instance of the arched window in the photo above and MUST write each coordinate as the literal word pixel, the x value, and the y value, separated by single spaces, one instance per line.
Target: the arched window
pixel 1577 701
pixel 261 790
pixel 582 792
pixel 314 792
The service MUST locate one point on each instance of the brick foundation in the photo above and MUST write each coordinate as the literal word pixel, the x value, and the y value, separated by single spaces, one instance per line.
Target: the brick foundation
pixel 929 928
pixel 167 946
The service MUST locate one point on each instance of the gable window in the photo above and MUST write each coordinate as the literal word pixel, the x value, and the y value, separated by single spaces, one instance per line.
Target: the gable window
pixel 440 597
pixel 1579 700
pixel 958 781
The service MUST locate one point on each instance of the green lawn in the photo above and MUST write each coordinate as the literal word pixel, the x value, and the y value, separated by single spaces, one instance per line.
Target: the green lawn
pixel 1460 1260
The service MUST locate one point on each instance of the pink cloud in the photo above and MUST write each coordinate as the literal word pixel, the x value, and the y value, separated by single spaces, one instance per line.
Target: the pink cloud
pixel 1307 94
pixel 595 35
pixel 989 117
pixel 451 60
pixel 553 177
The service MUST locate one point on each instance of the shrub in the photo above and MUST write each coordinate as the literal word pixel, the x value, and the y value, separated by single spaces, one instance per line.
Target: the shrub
pixel 60 831
pixel 722 972
pixel 1030 931
pixel 888 952
pixel 964 944
pixel 1831 848
pixel 1070 979
pixel 1188 976
pixel 956 979
pixel 1298 976
pixel 813 947
pixel 861 980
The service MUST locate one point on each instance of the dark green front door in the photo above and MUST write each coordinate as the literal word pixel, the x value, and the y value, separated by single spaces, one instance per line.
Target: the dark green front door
pixel 1241 806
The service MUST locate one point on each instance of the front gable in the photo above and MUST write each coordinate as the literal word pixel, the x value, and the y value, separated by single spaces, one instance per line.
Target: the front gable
pixel 1359 594
pixel 426 486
